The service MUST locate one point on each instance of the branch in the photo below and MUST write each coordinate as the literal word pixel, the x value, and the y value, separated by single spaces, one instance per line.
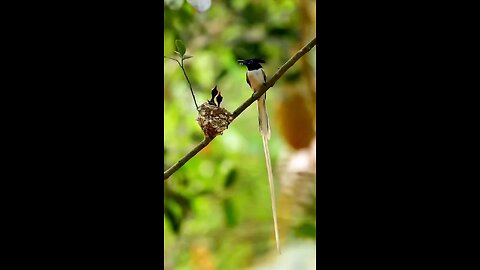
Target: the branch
pixel 245 105
pixel 188 156
pixel 275 77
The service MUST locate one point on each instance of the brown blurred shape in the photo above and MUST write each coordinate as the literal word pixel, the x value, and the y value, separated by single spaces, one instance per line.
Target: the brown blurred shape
pixel 201 257
pixel 294 119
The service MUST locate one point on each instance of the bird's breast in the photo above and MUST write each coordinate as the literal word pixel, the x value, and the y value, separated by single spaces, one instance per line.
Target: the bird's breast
pixel 256 79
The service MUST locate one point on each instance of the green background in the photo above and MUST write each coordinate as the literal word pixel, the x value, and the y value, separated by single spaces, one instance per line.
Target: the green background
pixel 217 212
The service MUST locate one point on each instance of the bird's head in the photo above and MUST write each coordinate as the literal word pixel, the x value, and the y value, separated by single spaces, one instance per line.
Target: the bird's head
pixel 214 91
pixel 252 63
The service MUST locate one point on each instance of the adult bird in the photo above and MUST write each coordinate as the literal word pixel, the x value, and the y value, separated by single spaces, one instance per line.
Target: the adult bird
pixel 256 78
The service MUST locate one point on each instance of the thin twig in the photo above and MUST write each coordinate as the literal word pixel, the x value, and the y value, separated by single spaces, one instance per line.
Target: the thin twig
pixel 185 73
pixel 245 105
pixel 172 59
pixel 189 84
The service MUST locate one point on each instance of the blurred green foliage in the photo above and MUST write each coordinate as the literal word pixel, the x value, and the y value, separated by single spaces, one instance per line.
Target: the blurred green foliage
pixel 217 206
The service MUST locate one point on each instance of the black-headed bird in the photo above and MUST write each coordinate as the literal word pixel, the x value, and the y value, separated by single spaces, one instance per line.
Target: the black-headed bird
pixel 256 78
pixel 219 98
pixel 214 94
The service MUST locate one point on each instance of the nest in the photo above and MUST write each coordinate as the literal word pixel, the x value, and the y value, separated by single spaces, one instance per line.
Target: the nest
pixel 213 120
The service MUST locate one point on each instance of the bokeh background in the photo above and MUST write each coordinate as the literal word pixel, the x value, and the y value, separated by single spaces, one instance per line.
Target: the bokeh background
pixel 217 212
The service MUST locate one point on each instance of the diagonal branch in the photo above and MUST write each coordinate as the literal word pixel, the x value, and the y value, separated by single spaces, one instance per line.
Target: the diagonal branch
pixel 187 157
pixel 245 105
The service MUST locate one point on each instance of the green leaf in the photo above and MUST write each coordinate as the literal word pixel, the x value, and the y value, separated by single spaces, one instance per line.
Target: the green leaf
pixel 306 230
pixel 180 47
pixel 230 215
pixel 173 215
pixel 186 56
pixel 230 179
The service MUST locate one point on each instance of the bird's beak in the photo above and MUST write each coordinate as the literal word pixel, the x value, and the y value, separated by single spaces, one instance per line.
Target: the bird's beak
pixel 241 61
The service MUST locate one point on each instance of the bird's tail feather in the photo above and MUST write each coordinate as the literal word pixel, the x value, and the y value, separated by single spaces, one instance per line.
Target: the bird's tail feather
pixel 265 131
pixel 263 124
pixel 272 189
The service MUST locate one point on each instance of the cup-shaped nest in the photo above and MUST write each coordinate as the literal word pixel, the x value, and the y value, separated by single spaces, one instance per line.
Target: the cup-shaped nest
pixel 213 120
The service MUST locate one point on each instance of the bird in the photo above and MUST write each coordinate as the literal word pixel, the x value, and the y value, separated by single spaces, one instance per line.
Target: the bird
pixel 219 98
pixel 256 78
pixel 214 94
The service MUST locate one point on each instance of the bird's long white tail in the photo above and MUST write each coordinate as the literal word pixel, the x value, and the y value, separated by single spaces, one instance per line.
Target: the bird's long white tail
pixel 263 124
pixel 265 131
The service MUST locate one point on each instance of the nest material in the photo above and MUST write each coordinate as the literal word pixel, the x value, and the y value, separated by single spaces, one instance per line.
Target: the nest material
pixel 213 120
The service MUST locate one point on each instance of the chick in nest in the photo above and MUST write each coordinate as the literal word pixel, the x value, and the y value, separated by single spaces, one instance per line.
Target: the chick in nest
pixel 211 117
